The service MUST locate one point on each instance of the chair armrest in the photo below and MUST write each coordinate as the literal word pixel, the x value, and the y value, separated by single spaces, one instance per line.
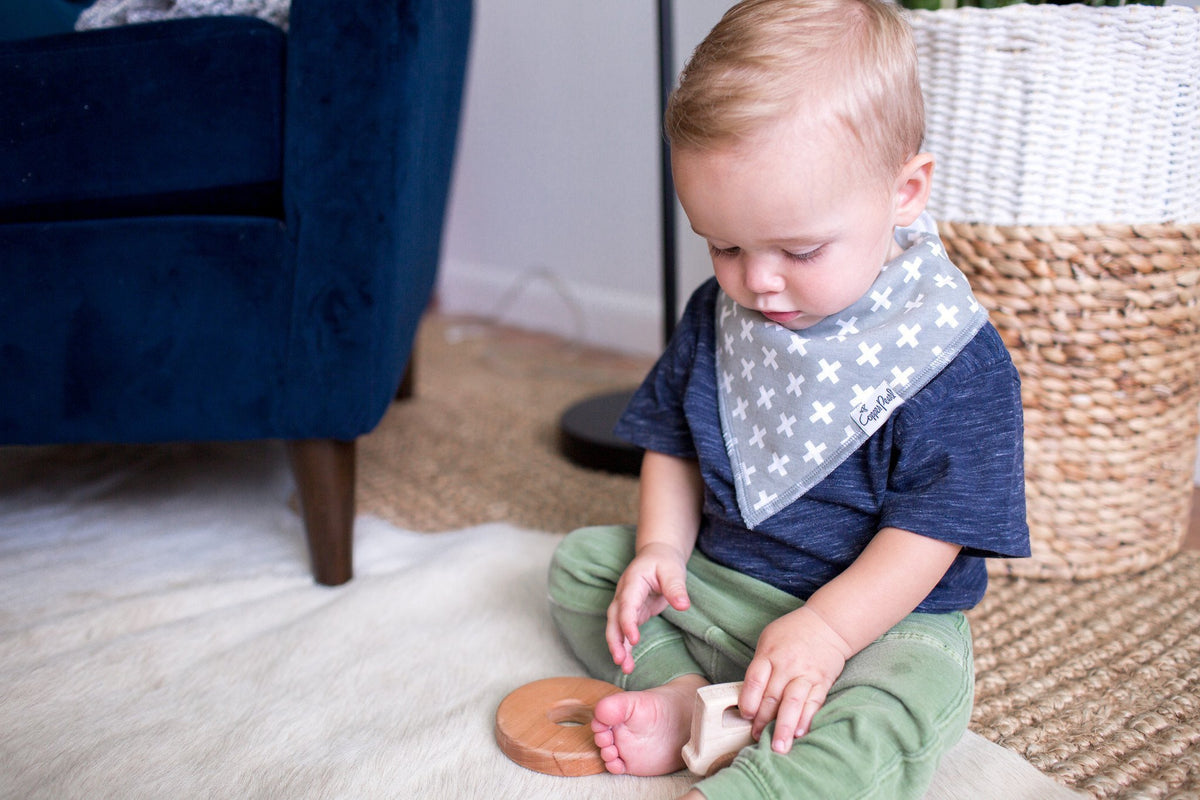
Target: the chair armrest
pixel 371 119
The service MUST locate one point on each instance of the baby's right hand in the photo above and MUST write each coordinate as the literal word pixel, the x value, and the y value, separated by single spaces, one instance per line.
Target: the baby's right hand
pixel 656 577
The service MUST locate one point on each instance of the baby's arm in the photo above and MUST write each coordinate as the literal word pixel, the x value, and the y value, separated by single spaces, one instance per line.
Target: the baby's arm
pixel 672 493
pixel 801 654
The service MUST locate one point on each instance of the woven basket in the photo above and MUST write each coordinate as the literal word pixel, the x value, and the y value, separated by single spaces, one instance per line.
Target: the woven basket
pixel 1062 115
pixel 1103 323
pixel 1046 120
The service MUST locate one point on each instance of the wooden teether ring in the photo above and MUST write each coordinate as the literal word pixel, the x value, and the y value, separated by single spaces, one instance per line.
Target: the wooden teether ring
pixel 545 726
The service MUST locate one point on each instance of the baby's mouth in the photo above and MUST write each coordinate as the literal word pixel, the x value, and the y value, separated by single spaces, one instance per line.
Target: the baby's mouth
pixel 781 317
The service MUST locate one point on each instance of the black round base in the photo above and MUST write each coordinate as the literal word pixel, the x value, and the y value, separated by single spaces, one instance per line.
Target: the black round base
pixel 586 435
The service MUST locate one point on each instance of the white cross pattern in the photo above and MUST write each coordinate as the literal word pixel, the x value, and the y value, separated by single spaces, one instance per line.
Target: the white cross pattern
pixel 794 383
pixel 786 421
pixel 869 351
pixel 908 336
pixel 881 299
pixel 747 369
pixel 726 382
pixel 913 270
pixel 740 410
pixel 848 327
pixel 814 452
pixel 764 397
pixel 764 499
pixel 757 438
pixel 829 371
pixel 748 329
pixel 769 356
pixel 862 395
pixel 777 464
pixel 821 412
pixel 947 316
pixel 799 345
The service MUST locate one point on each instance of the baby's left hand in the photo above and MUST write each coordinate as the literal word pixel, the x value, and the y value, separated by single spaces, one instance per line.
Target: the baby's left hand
pixel 797 659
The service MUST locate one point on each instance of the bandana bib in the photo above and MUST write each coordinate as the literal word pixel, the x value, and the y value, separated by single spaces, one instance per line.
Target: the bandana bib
pixel 795 404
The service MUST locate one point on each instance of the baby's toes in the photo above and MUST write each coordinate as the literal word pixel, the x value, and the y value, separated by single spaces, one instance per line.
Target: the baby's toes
pixel 603 737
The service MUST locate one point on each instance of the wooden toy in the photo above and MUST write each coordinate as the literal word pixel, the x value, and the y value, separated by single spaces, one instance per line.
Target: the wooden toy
pixel 545 726
pixel 718 730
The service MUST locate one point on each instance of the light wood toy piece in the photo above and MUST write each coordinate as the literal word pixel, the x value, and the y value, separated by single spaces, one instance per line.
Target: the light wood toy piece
pixel 718 730
pixel 545 726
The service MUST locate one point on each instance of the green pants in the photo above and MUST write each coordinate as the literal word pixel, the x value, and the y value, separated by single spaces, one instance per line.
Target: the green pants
pixel 898 706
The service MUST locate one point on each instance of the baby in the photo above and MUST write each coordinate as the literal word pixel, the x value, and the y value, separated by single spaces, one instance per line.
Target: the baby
pixel 833 436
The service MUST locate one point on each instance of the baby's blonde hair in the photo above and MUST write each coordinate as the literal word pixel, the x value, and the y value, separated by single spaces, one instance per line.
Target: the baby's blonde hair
pixel 849 61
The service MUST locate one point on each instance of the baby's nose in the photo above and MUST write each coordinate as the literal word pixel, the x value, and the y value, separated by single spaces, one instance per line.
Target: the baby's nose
pixel 761 277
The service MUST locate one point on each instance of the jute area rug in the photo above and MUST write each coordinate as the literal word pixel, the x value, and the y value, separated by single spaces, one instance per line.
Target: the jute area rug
pixel 1096 683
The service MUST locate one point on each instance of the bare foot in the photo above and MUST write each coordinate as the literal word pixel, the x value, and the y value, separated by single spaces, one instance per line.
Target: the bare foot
pixel 642 733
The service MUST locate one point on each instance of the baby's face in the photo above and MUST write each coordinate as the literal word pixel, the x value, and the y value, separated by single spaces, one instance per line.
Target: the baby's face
pixel 797 228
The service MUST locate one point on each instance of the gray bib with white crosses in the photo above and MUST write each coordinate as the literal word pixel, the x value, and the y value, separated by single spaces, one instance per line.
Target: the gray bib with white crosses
pixel 795 404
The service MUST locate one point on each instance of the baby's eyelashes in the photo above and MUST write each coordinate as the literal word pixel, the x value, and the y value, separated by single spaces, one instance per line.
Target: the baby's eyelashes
pixel 723 252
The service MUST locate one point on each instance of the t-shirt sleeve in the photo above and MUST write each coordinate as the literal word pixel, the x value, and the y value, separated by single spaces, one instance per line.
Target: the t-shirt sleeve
pixel 958 474
pixel 655 418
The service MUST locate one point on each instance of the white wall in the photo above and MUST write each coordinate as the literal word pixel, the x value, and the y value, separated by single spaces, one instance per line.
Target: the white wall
pixel 554 212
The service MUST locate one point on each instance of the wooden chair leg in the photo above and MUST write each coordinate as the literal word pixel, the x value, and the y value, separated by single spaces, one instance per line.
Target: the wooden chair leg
pixel 325 473
pixel 408 381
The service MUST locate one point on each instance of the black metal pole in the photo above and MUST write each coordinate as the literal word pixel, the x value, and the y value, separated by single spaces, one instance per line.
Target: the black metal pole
pixel 585 429
pixel 666 80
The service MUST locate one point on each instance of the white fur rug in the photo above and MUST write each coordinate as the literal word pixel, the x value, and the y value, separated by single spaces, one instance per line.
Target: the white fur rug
pixel 160 637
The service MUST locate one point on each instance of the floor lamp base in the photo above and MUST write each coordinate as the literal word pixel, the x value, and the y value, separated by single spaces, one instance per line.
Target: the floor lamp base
pixel 587 438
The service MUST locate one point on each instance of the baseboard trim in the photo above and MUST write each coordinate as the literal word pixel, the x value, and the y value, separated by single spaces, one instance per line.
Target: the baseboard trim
pixel 537 299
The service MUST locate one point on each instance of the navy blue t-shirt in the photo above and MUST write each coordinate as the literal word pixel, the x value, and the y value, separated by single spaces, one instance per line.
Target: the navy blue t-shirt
pixel 948 464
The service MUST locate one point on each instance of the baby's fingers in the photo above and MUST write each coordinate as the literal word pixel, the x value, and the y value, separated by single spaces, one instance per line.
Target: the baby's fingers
pixel 788 724
pixel 799 705
pixel 673 581
pixel 620 646
pixel 753 688
pixel 629 617
pixel 811 706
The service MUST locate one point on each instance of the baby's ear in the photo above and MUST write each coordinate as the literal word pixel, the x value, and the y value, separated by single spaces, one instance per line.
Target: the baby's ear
pixel 913 184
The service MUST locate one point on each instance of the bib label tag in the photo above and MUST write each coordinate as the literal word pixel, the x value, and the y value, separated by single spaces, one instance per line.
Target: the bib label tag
pixel 871 415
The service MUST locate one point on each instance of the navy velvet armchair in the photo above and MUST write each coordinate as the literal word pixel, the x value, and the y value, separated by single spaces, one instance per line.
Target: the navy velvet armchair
pixel 213 230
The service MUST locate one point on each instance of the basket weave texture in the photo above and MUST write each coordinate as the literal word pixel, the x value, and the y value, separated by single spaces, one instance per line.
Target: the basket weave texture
pixel 1048 123
pixel 1103 323
pixel 1063 115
